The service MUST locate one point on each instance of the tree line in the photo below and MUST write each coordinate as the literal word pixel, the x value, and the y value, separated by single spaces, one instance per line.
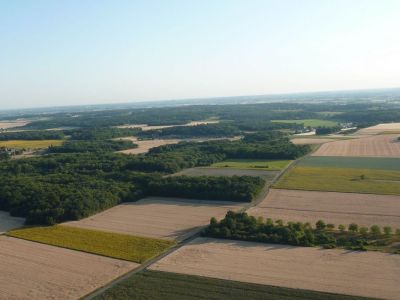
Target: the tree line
pixel 241 226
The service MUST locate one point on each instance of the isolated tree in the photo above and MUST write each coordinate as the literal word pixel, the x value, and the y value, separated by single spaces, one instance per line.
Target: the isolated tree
pixel 353 227
pixel 375 230
pixel 320 225
pixel 387 230
pixel 342 227
pixel 330 226
pixel 363 230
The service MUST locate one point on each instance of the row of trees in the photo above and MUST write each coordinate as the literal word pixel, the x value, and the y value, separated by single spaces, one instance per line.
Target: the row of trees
pixel 235 188
pixel 203 130
pixel 241 226
pixel 72 146
pixel 32 135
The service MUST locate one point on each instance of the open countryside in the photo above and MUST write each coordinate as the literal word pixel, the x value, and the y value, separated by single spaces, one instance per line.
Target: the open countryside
pixel 334 271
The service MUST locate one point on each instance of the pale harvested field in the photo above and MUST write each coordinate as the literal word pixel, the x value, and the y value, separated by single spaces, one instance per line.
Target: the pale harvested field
pixel 8 222
pixel 370 274
pixel 378 146
pixel 146 127
pixel 335 208
pixel 156 217
pixel 36 271
pixel 12 124
pixel 384 127
pixel 146 145
pixel 310 141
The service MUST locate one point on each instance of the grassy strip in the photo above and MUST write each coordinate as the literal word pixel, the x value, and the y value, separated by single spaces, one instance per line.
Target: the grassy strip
pixel 309 122
pixel 269 165
pixel 376 163
pixel 25 144
pixel 121 246
pixel 171 286
pixel 341 180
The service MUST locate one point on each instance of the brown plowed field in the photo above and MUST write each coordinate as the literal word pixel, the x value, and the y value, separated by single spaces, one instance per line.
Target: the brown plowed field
pixel 164 218
pixel 336 208
pixel 36 271
pixel 7 222
pixel 379 145
pixel 370 274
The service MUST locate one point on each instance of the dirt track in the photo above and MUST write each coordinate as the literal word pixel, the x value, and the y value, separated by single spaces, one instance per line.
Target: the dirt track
pixel 7 222
pixel 165 218
pixel 35 271
pixel 370 274
pixel 336 208
pixel 379 146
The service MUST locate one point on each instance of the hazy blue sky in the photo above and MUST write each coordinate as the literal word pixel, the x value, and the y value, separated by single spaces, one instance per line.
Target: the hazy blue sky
pixel 80 52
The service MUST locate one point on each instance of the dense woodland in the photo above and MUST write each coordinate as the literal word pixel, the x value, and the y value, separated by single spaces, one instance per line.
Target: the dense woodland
pixel 32 135
pixel 235 188
pixel 85 175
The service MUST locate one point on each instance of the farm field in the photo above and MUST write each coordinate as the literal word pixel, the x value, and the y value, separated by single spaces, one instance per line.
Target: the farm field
pixel 377 163
pixel 157 285
pixel 31 144
pixel 379 145
pixel 268 175
pixel 269 165
pixel 334 271
pixel 8 222
pixel 331 207
pixel 156 217
pixel 12 124
pixel 380 128
pixel 145 145
pixel 353 180
pixel 311 141
pixel 309 122
pixel 146 127
pixel 121 246
pixel 36 271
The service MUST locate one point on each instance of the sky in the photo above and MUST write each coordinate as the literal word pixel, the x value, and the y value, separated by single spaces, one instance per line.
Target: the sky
pixel 71 52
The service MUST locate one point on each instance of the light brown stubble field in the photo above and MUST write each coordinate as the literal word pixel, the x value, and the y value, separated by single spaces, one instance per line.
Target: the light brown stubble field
pixel 145 145
pixel 384 127
pixel 331 207
pixel 156 217
pixel 374 146
pixel 370 274
pixel 36 271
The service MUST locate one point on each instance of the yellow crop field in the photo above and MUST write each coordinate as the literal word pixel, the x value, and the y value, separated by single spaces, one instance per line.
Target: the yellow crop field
pixel 116 245
pixel 35 144
pixel 370 181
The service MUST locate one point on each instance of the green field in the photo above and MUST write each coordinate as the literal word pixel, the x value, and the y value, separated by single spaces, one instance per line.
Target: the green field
pixel 309 122
pixel 25 144
pixel 341 180
pixel 121 246
pixel 377 163
pixel 170 286
pixel 269 165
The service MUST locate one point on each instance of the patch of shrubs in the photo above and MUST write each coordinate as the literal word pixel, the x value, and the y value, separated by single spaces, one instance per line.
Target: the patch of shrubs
pixel 241 226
